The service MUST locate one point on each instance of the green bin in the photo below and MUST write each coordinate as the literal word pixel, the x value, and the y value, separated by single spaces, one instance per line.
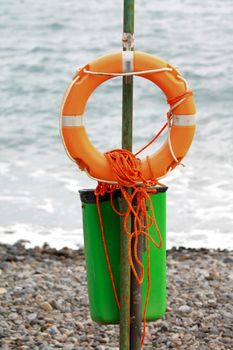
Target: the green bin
pixel 103 306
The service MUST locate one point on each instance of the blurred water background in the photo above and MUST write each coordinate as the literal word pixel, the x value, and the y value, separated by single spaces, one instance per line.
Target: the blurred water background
pixel 42 43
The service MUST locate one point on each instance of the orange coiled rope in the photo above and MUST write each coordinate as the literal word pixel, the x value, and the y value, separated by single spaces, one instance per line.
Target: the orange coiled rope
pixel 127 169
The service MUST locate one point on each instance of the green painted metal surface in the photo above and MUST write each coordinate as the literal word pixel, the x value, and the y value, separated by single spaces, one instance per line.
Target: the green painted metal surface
pixel 103 306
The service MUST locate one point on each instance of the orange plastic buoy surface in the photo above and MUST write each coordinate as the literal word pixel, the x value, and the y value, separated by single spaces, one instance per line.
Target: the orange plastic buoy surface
pixel 74 135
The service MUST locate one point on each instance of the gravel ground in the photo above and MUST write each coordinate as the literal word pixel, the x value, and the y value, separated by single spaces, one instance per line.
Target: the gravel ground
pixel 44 304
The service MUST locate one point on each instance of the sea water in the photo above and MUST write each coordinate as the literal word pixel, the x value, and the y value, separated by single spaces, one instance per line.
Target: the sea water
pixel 41 45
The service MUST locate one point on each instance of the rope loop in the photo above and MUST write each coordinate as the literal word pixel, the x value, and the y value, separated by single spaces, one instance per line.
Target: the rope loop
pixel 127 169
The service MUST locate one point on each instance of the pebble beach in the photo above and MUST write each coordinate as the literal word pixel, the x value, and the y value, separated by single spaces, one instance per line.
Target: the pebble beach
pixel 44 302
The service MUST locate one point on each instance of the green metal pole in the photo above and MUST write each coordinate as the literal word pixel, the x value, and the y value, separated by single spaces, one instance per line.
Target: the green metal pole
pixel 128 26
pixel 127 127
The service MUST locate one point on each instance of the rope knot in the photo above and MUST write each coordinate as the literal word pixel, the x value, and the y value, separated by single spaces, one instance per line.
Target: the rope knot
pixel 126 167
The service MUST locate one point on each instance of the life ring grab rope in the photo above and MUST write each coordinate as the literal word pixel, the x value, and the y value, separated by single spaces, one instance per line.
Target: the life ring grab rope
pixel 84 71
pixel 148 71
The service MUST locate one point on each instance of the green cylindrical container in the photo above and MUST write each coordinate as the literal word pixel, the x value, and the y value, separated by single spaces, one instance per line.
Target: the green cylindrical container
pixel 103 306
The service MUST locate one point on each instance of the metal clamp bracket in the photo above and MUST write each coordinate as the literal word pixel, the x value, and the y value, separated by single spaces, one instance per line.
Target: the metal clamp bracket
pixel 128 41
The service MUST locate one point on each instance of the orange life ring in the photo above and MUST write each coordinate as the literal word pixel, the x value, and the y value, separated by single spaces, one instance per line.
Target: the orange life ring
pixel 73 132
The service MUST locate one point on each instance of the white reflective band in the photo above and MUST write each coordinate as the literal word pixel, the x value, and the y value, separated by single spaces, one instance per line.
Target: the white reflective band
pixel 127 61
pixel 74 120
pixel 184 120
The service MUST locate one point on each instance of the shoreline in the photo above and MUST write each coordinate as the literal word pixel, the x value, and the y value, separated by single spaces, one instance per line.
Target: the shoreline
pixel 44 303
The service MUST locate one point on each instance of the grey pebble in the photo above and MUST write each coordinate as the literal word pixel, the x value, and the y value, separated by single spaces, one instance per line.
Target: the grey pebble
pixel 227 314
pixel 5 347
pixel 163 325
pixel 58 304
pixel 184 309
pixel 203 347
pixel 13 316
pixel 31 317
pixel 228 260
pixel 53 330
